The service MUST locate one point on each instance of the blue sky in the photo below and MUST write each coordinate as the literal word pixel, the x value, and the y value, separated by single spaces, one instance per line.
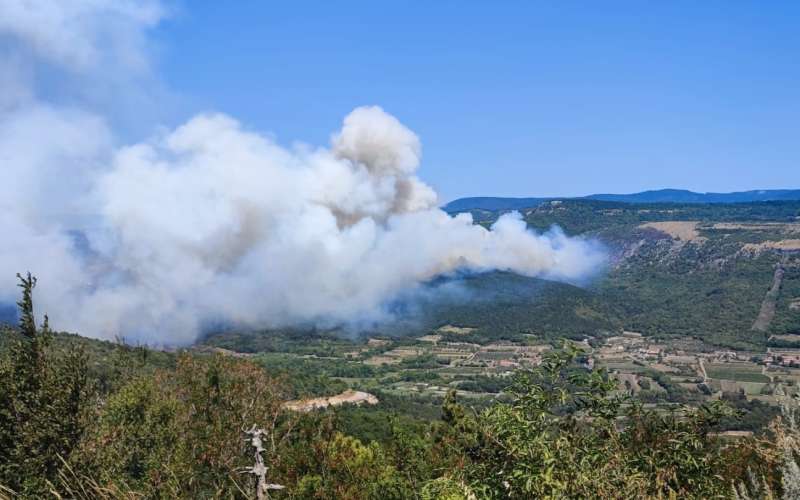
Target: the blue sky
pixel 514 98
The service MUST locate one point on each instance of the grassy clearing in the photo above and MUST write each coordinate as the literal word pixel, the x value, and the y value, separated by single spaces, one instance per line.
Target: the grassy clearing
pixel 737 372
pixel 625 367
pixel 751 388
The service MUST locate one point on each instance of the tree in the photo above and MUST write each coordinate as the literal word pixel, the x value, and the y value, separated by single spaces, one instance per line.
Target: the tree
pixel 43 398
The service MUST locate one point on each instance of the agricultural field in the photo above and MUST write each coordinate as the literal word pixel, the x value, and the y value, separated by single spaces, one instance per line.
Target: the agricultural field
pixel 414 374
pixel 676 318
pixel 739 372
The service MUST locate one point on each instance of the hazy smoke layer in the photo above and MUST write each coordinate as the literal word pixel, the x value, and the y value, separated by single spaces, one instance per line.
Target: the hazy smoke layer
pixel 212 222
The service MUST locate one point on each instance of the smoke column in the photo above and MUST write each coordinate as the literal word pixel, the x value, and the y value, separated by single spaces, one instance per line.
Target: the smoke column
pixel 211 221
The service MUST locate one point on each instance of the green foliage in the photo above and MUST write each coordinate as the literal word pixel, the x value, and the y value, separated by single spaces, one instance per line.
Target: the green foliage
pixel 370 423
pixel 43 402
pixel 313 376
pixel 679 298
pixel 753 416
pixel 180 433
pixel 159 426
pixel 505 306
pixel 666 289
pixel 560 437
pixel 348 469
pixel 135 439
pixel 445 488
pixel 787 310
pixel 421 361
pixel 301 341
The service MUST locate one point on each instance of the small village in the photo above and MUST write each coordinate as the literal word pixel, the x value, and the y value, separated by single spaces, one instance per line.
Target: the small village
pixel 650 370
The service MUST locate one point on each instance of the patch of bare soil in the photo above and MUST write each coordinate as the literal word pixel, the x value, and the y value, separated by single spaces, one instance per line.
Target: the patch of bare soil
pixel 224 352
pixel 347 397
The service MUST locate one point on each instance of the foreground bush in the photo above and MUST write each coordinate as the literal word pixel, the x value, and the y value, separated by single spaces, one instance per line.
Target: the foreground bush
pixel 181 433
pixel 566 436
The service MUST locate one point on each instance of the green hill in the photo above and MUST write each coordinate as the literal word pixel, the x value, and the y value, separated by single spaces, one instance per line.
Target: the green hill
pixel 654 196
pixel 686 269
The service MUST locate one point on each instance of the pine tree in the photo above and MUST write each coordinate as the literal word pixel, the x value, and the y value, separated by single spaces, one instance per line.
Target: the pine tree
pixel 43 395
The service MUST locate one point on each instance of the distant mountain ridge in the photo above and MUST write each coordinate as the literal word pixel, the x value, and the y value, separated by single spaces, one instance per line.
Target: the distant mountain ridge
pixel 654 196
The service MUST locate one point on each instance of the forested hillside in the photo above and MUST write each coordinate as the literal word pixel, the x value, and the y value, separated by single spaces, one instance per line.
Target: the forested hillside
pixel 687 269
pixel 211 426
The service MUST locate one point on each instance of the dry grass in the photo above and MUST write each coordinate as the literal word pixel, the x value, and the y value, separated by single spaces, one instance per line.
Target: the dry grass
pixel 789 337
pixel 458 330
pixel 382 360
pixel 630 378
pixel 772 245
pixel 679 230
pixel 764 226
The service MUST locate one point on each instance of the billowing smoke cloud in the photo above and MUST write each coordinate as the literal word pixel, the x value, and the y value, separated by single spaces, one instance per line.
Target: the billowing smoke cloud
pixel 213 222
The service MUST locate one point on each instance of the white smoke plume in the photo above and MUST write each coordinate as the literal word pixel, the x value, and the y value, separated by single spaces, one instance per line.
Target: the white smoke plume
pixel 211 221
